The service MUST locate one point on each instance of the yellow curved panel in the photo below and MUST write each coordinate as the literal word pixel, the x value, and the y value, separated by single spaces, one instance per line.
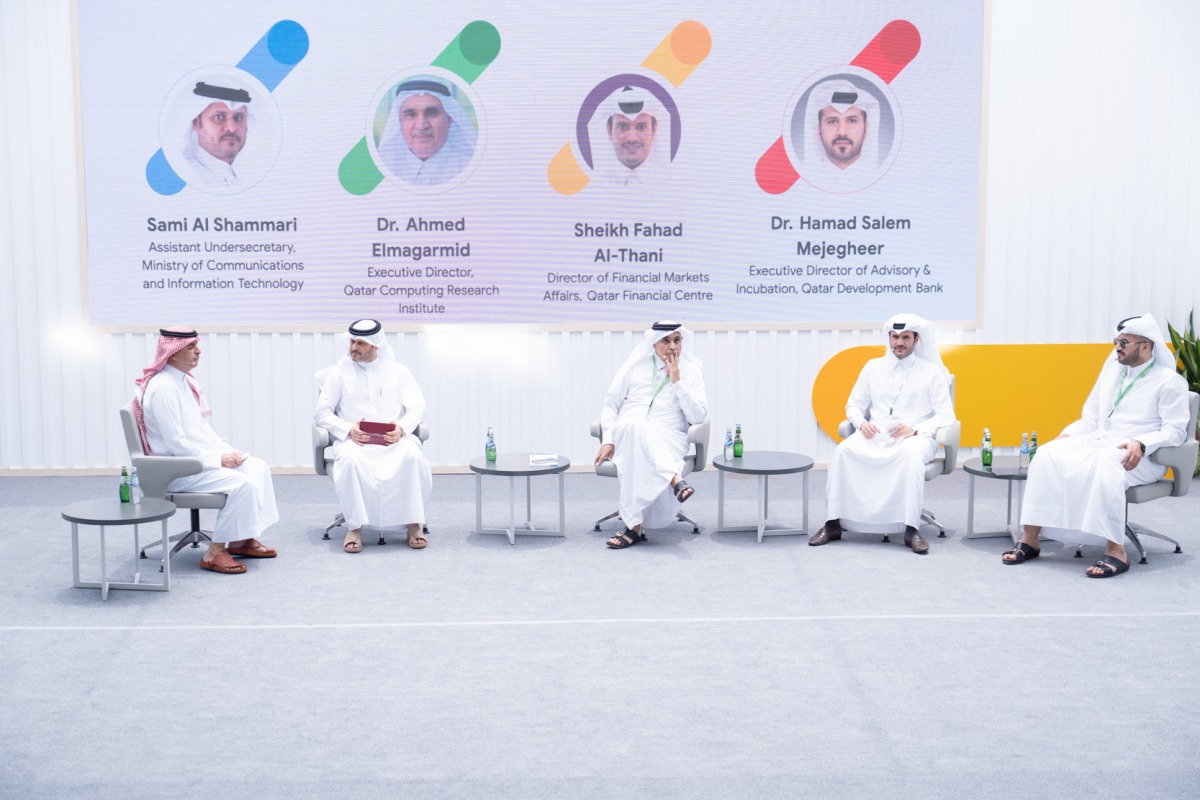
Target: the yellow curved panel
pixel 564 172
pixel 1010 388
pixel 680 52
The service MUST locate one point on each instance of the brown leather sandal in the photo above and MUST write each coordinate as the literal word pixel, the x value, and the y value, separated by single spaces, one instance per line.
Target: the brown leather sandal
pixel 223 562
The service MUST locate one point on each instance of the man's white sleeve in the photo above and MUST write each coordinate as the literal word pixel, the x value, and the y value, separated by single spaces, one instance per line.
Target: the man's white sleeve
pixel 327 404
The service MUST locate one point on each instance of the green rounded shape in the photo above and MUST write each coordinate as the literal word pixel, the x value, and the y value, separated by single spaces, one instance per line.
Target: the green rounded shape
pixel 479 42
pixel 357 173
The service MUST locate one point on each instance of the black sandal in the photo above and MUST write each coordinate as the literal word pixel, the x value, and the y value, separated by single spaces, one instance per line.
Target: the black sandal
pixel 1022 553
pixel 627 538
pixel 683 491
pixel 1111 565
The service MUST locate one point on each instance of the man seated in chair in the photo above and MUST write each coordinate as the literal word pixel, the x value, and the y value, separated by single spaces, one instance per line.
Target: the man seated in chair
pixel 656 394
pixel 877 475
pixel 172 415
pixel 1076 486
pixel 388 482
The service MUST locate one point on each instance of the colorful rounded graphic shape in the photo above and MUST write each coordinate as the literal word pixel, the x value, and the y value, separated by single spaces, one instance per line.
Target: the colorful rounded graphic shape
pixel 1009 388
pixel 886 55
pixel 467 55
pixel 684 49
pixel 675 58
pixel 270 60
pixel 605 88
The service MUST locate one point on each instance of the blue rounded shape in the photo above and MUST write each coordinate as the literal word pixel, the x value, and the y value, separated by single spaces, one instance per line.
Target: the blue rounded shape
pixel 288 41
pixel 162 177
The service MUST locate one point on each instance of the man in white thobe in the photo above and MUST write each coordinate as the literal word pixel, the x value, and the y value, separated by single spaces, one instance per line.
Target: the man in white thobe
pixel 428 138
pixel 840 147
pixel 382 484
pixel 877 475
pixel 1076 486
pixel 172 416
pixel 217 133
pixel 656 394
pixel 632 128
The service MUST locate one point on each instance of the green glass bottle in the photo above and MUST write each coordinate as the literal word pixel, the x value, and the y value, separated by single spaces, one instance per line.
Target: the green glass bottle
pixel 124 484
pixel 489 449
pixel 738 447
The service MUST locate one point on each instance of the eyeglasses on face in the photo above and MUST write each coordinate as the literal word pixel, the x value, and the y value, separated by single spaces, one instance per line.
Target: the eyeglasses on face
pixel 1126 342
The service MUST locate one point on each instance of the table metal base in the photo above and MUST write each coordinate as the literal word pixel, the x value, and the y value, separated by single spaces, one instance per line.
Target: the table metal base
pixel 104 584
pixel 526 528
pixel 1012 531
pixel 763 510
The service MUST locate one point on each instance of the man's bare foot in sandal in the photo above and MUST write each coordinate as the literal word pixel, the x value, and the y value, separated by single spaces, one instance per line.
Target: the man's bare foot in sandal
pixel 681 488
pixel 415 540
pixel 353 541
pixel 627 538
pixel 1026 548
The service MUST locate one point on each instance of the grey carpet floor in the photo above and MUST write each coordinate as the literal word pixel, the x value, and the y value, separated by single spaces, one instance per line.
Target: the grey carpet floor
pixel 705 666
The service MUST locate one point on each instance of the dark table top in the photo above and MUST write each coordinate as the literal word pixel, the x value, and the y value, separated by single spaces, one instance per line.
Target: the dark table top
pixel 517 464
pixel 111 511
pixel 765 462
pixel 1003 467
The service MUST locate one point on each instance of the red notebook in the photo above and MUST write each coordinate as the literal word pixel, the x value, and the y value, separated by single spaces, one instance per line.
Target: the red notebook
pixel 376 430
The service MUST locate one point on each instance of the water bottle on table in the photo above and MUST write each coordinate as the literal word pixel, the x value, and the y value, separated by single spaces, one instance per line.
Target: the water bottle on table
pixel 135 488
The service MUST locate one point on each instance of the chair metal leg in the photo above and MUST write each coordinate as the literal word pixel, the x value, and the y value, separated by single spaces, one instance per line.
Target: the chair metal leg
pixel 929 518
pixel 685 518
pixel 193 536
pixel 338 521
pixel 613 515
pixel 1133 531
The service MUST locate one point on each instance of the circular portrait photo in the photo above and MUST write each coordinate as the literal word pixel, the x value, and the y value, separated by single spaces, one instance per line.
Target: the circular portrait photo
pixel 220 130
pixel 628 131
pixel 425 130
pixel 843 130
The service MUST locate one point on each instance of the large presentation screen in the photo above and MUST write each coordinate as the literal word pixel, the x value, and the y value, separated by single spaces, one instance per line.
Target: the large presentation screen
pixel 530 163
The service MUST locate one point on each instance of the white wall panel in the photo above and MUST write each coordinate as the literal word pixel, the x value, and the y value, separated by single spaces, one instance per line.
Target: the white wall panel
pixel 1093 192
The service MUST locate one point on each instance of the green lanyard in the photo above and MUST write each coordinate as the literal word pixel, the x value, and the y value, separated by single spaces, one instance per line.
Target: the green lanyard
pixel 659 388
pixel 1125 389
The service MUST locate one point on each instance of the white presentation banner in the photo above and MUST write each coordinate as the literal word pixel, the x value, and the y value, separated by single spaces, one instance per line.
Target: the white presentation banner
pixel 535 163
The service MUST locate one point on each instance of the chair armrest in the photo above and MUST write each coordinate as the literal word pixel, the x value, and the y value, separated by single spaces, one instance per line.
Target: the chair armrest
pixel 1181 458
pixel 845 428
pixel 421 432
pixel 595 429
pixel 947 436
pixel 320 440
pixel 156 472
pixel 698 435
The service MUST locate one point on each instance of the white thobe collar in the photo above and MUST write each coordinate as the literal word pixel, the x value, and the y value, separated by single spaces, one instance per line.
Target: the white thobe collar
pixel 221 170
pixel 902 364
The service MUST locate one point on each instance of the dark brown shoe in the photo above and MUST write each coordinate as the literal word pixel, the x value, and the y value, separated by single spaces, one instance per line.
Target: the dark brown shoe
pixel 915 541
pixel 824 536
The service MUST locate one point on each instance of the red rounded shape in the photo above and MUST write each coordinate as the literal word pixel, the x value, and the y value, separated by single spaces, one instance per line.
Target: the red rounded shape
pixel 774 172
pixel 899 41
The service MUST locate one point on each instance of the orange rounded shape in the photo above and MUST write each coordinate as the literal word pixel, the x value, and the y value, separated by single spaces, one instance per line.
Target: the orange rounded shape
pixel 691 42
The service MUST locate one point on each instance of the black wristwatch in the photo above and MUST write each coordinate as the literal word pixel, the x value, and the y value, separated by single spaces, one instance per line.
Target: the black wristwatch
pixel 1139 444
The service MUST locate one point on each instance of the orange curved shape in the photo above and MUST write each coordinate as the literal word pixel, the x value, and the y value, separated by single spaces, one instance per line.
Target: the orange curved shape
pixel 564 172
pixel 1009 388
pixel 683 49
